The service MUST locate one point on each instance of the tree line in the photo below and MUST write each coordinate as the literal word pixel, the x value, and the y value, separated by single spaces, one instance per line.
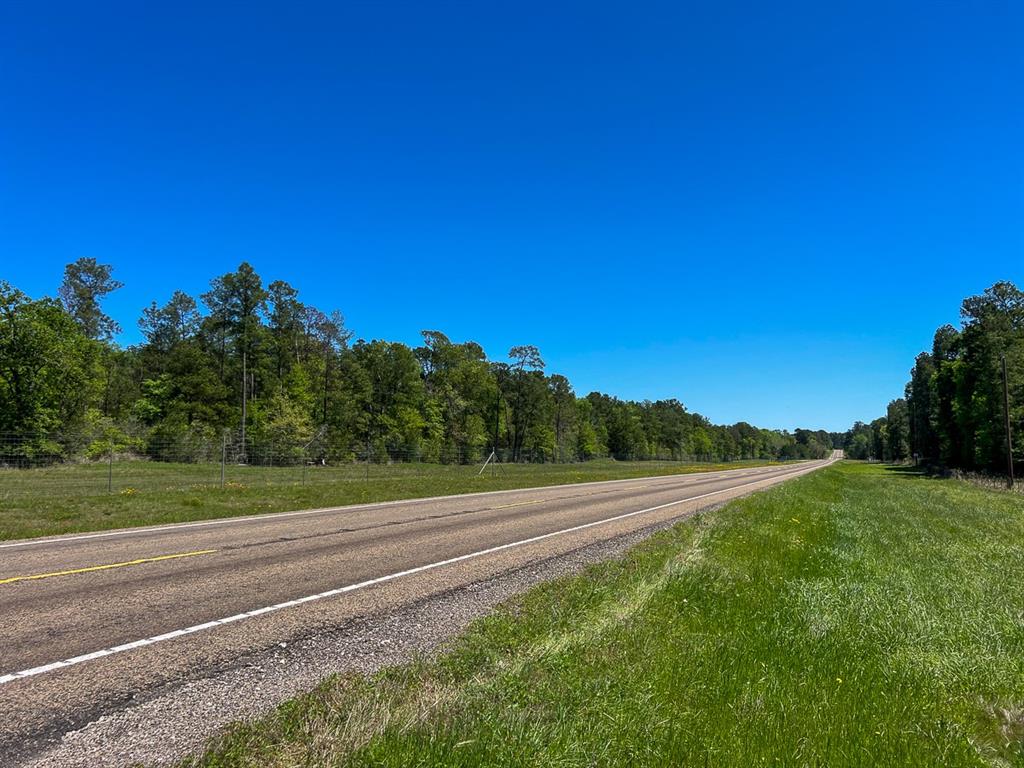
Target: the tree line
pixel 952 412
pixel 255 359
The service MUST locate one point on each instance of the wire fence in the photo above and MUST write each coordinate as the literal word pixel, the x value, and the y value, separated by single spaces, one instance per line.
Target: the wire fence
pixel 55 465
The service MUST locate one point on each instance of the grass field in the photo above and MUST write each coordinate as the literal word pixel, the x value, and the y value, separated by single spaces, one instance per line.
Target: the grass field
pixel 860 616
pixel 75 498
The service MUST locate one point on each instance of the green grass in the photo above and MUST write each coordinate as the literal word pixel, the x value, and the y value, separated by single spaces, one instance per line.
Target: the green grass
pixel 75 498
pixel 860 616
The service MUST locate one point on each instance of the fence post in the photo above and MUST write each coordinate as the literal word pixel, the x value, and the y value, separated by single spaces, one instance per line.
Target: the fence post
pixel 223 456
pixel 110 468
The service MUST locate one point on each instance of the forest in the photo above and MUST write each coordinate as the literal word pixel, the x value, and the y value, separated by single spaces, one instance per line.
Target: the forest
pixel 288 380
pixel 952 414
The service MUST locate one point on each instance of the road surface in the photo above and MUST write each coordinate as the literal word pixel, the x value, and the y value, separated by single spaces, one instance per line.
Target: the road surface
pixel 94 622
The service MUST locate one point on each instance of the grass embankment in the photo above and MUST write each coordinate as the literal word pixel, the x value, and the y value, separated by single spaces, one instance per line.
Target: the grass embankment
pixel 74 498
pixel 858 616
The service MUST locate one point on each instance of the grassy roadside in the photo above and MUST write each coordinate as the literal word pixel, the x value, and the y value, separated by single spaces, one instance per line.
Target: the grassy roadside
pixel 74 499
pixel 857 616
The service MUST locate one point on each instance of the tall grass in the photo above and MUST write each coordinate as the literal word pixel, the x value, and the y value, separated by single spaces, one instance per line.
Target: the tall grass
pixel 857 616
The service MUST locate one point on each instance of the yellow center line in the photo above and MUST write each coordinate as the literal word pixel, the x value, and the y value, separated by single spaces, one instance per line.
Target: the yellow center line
pixel 521 504
pixel 139 561
pixel 559 498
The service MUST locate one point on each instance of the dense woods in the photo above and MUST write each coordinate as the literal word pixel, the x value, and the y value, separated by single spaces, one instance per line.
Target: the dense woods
pixel 952 412
pixel 289 381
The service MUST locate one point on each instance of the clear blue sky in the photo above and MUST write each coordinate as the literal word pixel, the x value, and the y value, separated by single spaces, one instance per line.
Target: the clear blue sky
pixel 763 209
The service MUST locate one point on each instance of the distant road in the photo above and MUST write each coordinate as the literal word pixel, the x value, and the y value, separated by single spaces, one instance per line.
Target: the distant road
pixel 93 622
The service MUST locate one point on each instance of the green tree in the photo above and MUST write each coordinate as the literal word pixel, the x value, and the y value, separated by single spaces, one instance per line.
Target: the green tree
pixel 461 395
pixel 174 322
pixel 392 397
pixel 993 327
pixel 524 390
pixel 237 302
pixel 924 441
pixel 45 365
pixel 287 315
pixel 86 283
pixel 328 338
pixel 897 432
pixel 563 403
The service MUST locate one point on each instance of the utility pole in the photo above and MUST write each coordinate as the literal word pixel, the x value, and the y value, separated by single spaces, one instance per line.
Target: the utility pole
pixel 327 380
pixel 1009 437
pixel 245 387
pixel 493 458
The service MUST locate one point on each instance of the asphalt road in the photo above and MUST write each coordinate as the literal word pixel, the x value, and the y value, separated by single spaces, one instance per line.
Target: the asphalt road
pixel 91 623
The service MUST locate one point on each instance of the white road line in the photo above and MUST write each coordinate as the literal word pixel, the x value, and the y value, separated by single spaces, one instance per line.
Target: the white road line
pixel 363 584
pixel 141 531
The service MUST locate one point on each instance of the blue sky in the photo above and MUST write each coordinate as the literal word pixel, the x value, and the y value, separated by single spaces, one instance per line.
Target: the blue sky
pixel 761 209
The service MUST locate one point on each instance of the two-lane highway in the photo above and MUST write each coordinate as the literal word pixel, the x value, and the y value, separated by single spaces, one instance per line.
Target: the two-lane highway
pixel 93 621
